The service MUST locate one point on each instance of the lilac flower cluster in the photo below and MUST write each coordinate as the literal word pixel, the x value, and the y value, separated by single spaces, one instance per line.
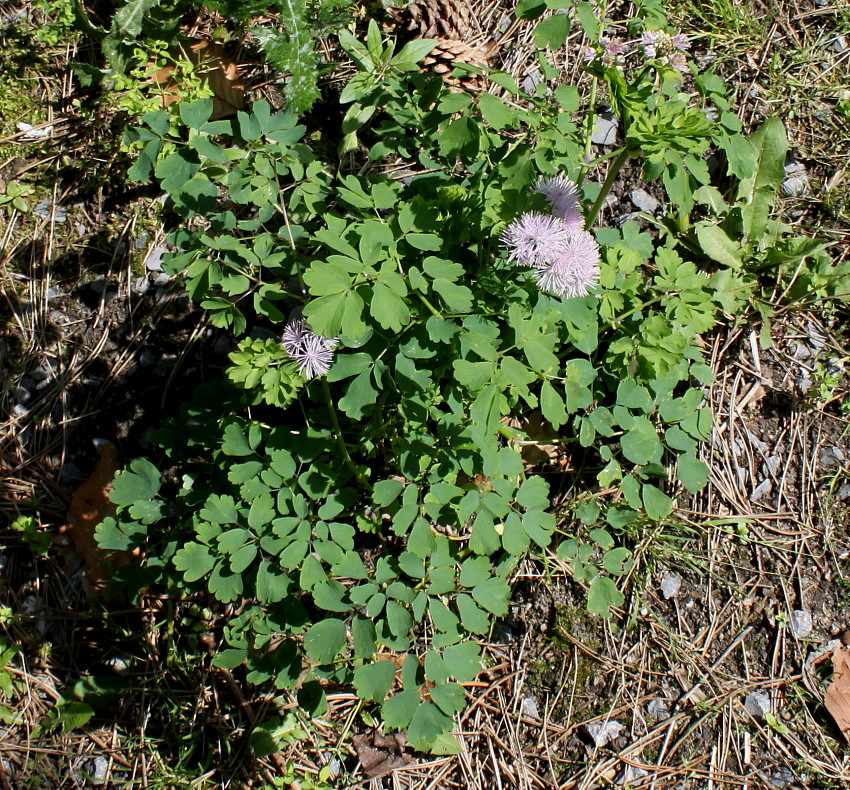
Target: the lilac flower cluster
pixel 564 256
pixel 313 353
pixel 656 44
pixel 660 45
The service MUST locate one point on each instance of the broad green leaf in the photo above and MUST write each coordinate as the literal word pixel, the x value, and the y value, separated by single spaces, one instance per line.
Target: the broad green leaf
pixel 230 658
pixel 494 595
pixel 464 661
pixel 324 641
pixel 602 595
pixel 656 503
pixel 373 681
pixel 235 442
pixel 449 698
pixel 472 618
pixel 692 472
pixel 140 481
pixel 719 247
pixel 194 561
pixel 398 710
pixel 640 443
pixel 427 724
pixel 552 32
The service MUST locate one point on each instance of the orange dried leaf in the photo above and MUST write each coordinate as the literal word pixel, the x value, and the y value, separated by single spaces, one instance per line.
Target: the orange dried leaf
pixel 216 68
pixel 90 504
pixel 837 699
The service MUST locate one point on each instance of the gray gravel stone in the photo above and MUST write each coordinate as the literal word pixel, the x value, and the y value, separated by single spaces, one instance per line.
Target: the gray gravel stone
pixel 97 769
pixel 782 777
pixel 761 490
pixel 658 709
pixel 21 394
pixel 107 289
pixel 140 286
pixel 837 45
pixel 771 465
pixel 629 774
pixel 801 623
pixel 602 733
pixel 757 704
pixel 531 81
pixel 529 708
pixel 671 583
pixel 795 186
pixel 48 209
pixel 146 359
pixel 643 200
pixel 843 492
pixel 830 456
pixel 153 260
pixel 604 129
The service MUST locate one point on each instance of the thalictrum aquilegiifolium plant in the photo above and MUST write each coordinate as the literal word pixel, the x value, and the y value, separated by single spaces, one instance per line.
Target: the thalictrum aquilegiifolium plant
pixel 354 481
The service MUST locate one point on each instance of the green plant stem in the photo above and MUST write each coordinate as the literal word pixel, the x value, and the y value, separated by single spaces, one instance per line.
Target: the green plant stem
pixel 340 441
pixel 616 167
pixel 591 117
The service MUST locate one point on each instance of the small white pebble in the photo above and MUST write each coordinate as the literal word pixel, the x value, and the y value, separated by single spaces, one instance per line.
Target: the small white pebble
pixel 801 623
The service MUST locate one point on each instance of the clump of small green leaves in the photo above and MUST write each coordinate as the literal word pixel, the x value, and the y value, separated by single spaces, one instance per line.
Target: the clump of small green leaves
pixel 369 521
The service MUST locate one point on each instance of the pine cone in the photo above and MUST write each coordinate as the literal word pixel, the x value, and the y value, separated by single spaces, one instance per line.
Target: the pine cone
pixel 450 19
pixel 447 53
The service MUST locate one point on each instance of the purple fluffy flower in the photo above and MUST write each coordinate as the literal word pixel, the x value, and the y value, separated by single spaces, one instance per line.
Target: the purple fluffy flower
pixel 680 42
pixel 313 353
pixel 649 41
pixel 534 239
pixel 561 193
pixel 575 271
pixel 611 47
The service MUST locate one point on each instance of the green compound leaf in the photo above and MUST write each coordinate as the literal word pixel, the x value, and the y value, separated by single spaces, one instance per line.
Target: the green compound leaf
pixel 473 619
pixel 692 472
pixel 398 710
pixel 449 698
pixel 602 595
pixel 235 442
pixel 194 561
pixel 220 510
pixel 140 481
pixel 657 504
pixel 463 661
pixel 494 595
pixel 373 681
pixel 427 725
pixel 272 584
pixel 640 443
pixel 324 641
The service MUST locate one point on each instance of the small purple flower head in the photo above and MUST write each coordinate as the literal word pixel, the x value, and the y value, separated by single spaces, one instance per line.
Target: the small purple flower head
pixel 649 41
pixel 313 353
pixel 589 54
pixel 612 48
pixel 561 193
pixel 680 42
pixel 575 271
pixel 678 61
pixel 534 239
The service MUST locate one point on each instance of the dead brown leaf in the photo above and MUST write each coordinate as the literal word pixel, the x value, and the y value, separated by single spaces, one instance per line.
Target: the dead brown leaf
pixel 837 698
pixel 90 504
pixel 379 754
pixel 216 68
